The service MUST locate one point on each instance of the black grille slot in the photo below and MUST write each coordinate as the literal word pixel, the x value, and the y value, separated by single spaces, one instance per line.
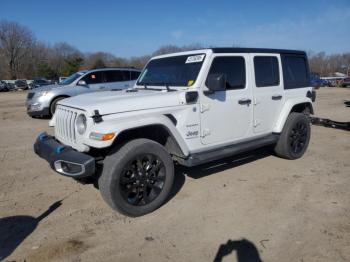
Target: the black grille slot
pixel 30 95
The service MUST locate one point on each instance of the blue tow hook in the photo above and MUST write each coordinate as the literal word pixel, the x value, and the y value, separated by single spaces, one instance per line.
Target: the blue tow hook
pixel 42 136
pixel 59 149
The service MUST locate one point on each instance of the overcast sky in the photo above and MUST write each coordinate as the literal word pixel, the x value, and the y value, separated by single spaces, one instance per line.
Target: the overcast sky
pixel 134 28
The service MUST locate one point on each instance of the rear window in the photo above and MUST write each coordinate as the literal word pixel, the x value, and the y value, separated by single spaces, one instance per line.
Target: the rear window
pixel 266 71
pixel 295 71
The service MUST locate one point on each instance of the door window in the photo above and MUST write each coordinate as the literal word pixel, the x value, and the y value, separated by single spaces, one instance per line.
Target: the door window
pixel 135 75
pixel 295 71
pixel 266 71
pixel 117 76
pixel 93 78
pixel 233 68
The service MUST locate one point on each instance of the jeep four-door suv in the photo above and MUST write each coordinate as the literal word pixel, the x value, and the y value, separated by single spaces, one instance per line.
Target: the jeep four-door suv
pixel 42 101
pixel 190 108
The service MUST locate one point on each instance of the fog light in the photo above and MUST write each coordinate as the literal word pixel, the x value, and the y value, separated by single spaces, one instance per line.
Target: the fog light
pixel 68 168
pixel 35 107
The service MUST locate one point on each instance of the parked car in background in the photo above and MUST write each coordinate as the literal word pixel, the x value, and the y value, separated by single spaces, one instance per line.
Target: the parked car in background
pixel 39 82
pixel 345 82
pixel 3 86
pixel 315 80
pixel 21 84
pixel 42 101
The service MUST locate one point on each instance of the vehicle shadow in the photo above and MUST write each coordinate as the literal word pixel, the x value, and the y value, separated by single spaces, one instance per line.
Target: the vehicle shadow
pixel 214 167
pixel 15 229
pixel 246 251
pixel 225 163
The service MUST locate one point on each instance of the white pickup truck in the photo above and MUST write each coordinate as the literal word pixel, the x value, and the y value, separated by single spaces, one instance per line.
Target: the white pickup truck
pixel 190 107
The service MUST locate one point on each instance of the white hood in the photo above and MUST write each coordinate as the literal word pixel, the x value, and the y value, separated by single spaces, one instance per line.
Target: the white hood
pixel 109 102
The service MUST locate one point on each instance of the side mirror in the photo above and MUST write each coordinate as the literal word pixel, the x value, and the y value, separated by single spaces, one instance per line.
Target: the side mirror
pixel 82 83
pixel 216 82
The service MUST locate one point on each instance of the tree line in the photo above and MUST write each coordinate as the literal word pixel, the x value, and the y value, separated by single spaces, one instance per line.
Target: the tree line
pixel 23 56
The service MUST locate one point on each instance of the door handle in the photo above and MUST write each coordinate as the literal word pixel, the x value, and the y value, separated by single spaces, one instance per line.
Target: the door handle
pixel 244 101
pixel 276 97
pixel 126 85
pixel 102 87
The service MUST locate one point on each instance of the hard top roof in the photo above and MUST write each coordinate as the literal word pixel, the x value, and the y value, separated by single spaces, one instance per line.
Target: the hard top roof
pixel 255 50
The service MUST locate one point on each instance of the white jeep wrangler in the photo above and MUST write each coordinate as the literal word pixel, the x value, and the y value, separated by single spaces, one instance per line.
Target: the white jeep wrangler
pixel 189 107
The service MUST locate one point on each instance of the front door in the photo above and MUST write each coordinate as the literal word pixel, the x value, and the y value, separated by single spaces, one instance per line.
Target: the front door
pixel 226 116
pixel 94 81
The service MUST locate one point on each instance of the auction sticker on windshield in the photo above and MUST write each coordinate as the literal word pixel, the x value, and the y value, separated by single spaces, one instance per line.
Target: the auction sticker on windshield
pixel 195 59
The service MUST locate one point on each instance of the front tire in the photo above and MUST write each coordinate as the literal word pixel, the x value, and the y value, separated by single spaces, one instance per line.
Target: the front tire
pixel 137 178
pixel 54 104
pixel 295 137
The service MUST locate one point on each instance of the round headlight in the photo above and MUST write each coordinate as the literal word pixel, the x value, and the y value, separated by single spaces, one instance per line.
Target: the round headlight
pixel 81 124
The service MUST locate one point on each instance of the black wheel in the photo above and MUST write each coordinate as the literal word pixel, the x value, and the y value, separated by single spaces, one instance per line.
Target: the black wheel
pixel 54 104
pixel 137 178
pixel 295 137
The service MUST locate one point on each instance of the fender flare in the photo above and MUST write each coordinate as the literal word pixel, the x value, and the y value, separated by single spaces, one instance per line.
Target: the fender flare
pixel 288 106
pixel 118 126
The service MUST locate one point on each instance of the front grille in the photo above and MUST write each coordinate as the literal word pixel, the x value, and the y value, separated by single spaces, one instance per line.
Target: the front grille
pixel 30 95
pixel 65 124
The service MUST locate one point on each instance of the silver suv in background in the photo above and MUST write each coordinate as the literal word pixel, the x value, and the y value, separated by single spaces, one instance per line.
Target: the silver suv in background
pixel 42 101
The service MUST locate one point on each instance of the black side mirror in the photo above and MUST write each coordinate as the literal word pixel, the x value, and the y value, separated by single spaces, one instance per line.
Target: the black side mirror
pixel 216 82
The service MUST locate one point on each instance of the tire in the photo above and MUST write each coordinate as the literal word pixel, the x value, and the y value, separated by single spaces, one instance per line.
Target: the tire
pixel 295 137
pixel 137 177
pixel 54 104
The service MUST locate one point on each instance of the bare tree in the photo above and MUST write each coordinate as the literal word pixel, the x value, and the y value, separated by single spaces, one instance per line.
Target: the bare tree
pixel 15 43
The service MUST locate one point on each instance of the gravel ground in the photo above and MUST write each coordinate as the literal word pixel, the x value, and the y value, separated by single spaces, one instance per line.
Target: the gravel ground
pixel 248 208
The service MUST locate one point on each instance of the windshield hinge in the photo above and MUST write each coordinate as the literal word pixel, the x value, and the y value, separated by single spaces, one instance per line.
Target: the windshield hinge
pixel 97 117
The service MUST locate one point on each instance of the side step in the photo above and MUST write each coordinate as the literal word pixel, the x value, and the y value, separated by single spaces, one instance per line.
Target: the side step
pixel 222 152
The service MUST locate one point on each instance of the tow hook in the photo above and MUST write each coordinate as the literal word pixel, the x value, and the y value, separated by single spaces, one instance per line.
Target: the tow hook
pixel 330 123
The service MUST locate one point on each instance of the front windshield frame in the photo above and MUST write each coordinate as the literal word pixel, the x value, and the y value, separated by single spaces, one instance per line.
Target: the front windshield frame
pixel 70 79
pixel 184 82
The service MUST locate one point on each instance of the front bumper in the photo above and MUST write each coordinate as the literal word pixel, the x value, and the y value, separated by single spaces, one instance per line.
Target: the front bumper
pixel 43 112
pixel 38 105
pixel 64 159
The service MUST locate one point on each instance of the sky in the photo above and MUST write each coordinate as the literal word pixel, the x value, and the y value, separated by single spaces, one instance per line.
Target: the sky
pixel 135 28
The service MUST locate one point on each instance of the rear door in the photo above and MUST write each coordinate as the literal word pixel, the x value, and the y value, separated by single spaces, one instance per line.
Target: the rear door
pixel 117 79
pixel 267 90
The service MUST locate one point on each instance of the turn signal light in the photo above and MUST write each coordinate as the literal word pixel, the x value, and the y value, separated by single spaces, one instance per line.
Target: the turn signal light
pixel 106 137
pixel 102 137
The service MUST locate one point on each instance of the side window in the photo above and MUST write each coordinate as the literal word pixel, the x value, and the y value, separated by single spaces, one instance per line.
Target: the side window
pixel 116 76
pixel 233 68
pixel 93 78
pixel 135 75
pixel 266 71
pixel 295 71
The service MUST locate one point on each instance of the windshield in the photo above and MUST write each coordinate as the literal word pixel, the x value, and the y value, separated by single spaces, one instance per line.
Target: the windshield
pixel 70 79
pixel 172 71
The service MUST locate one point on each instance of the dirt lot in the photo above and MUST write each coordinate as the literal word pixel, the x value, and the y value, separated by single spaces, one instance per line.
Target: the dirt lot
pixel 250 207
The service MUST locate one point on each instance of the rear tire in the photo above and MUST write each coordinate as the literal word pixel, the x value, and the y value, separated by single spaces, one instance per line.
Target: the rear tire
pixel 295 137
pixel 137 177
